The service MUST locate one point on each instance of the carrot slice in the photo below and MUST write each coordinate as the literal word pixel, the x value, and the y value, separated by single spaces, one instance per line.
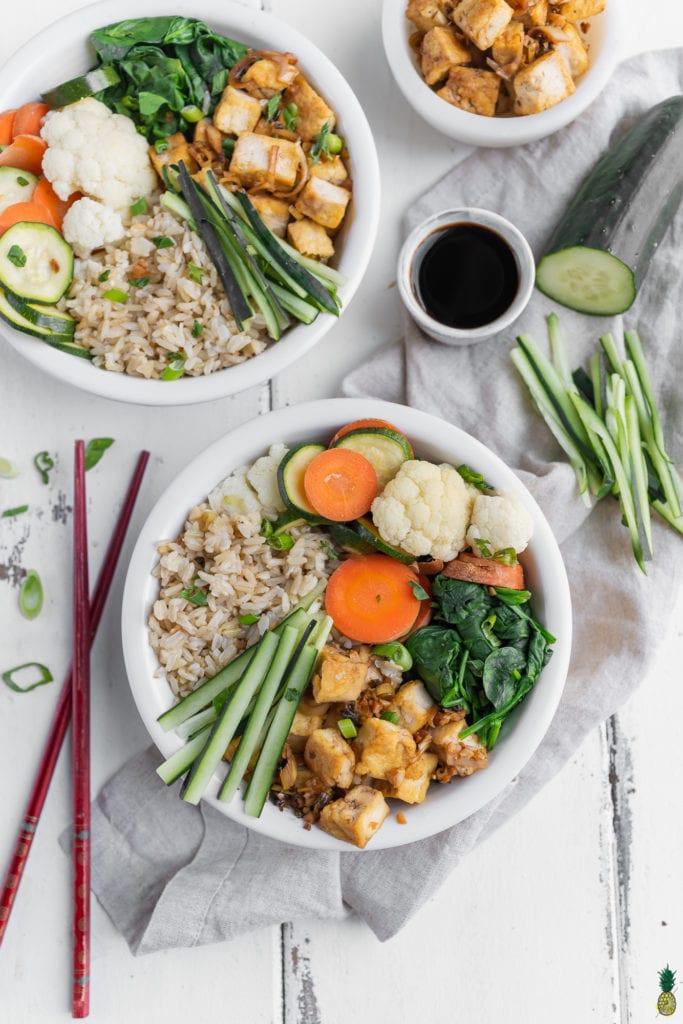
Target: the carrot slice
pixel 362 425
pixel 370 599
pixel 29 118
pixel 44 195
pixel 488 571
pixel 6 125
pixel 25 152
pixel 25 212
pixel 424 615
pixel 340 484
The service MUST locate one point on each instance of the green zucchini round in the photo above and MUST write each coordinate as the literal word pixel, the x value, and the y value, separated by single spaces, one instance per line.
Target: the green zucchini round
pixel 290 479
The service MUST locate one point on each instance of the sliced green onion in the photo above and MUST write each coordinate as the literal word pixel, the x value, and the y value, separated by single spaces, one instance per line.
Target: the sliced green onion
pixel 20 180
pixel 272 105
pixel 44 462
pixel 335 143
pixel 17 256
pixel 192 113
pixel 116 295
pixel 249 620
pixel 289 116
pixel 391 716
pixel 31 595
pixel 395 652
pixel 163 241
pixel 176 366
pixel 506 556
pixel 347 728
pixel 195 272
pixel 470 476
pixel 139 206
pixel 9 513
pixel 161 145
pixel 8 469
pixel 228 146
pixel 104 276
pixel 197 328
pixel 138 282
pixel 419 591
pixel 95 449
pixel 8 677
pixel 281 542
pixel 195 596
pixel 484 547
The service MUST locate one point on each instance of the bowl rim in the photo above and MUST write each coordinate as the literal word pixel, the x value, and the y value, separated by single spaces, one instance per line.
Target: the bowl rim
pixel 476 129
pixel 152 694
pixel 229 17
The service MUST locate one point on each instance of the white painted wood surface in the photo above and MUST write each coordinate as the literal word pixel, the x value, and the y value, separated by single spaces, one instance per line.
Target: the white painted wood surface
pixel 566 913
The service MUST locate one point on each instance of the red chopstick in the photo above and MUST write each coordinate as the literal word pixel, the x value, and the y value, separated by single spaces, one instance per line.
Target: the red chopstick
pixel 60 721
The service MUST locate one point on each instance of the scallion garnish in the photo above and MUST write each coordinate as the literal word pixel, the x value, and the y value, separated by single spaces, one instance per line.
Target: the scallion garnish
pixel 508 556
pixel 470 476
pixel 9 513
pixel 104 276
pixel 161 145
pixel 192 113
pixel 249 620
pixel 176 366
pixel 228 146
pixel 197 328
pixel 116 295
pixel 17 256
pixel 8 677
pixel 347 728
pixel 20 180
pixel 163 241
pixel 139 206
pixel 138 282
pixel 31 595
pixel 390 716
pixel 396 652
pixel 272 105
pixel 326 143
pixel 419 591
pixel 281 542
pixel 8 469
pixel 195 596
pixel 195 272
pixel 95 449
pixel 484 547
pixel 44 462
pixel 289 116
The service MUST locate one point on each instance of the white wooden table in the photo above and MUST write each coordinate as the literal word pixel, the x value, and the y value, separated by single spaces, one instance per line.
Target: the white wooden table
pixel 566 914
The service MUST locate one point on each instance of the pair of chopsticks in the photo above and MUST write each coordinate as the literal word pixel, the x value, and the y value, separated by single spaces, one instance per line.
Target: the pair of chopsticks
pixel 74 700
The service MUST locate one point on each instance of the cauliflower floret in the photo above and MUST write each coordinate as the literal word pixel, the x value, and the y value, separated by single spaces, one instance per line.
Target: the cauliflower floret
pixel 93 151
pixel 263 478
pixel 500 521
pixel 425 510
pixel 234 495
pixel 89 225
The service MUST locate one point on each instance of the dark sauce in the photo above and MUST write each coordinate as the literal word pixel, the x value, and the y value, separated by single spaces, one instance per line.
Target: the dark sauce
pixel 465 275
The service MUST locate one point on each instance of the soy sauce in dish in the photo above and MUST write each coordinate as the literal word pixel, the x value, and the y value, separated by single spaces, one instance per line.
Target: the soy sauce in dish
pixel 465 276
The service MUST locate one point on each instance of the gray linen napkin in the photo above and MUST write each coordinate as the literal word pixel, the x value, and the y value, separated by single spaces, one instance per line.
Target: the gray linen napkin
pixel 172 875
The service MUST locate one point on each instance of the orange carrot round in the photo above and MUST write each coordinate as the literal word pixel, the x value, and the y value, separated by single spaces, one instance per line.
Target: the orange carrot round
pixel 362 425
pixel 340 484
pixel 19 213
pixel 370 599
pixel 25 152
pixel 6 125
pixel 29 118
pixel 44 195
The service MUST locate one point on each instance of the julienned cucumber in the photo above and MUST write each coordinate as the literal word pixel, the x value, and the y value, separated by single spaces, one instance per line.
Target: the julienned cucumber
pixel 35 262
pixel 86 85
pixel 601 249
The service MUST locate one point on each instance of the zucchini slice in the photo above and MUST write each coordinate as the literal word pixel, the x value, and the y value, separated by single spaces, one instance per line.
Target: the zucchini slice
pixel 347 538
pixel 64 344
pixel 601 250
pixel 385 450
pixel 48 317
pixel 16 186
pixel 35 262
pixel 85 85
pixel 368 532
pixel 290 479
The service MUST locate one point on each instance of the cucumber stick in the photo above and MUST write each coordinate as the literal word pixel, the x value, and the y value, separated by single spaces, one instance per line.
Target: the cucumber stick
pixel 179 762
pixel 231 716
pixel 266 696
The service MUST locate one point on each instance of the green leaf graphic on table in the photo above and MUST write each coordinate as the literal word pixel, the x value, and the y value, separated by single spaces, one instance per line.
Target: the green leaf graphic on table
pixel 19 510
pixel 8 677
pixel 31 595
pixel 8 469
pixel 44 463
pixel 95 449
pixel 666 1002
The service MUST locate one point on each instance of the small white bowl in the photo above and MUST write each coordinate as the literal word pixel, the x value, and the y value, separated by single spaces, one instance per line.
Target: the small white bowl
pixel 61 52
pixel 475 129
pixel 433 439
pixel 415 246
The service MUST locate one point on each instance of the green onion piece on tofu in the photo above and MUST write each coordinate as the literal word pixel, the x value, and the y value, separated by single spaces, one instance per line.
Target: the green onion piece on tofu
pixel 195 272
pixel 116 295
pixel 44 462
pixel 161 145
pixel 272 106
pixel 104 276
pixel 139 206
pixel 31 595
pixel 289 116
pixel 176 366
pixel 17 256
pixel 228 146
pixel 9 513
pixel 390 716
pixel 347 728
pixel 8 469
pixel 163 241
pixel 8 677
pixel 95 449
pixel 192 113
pixel 395 652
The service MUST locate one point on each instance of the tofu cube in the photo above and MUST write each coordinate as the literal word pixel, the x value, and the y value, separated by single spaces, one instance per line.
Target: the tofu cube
pixel 251 159
pixel 466 756
pixel 414 705
pixel 331 169
pixel 482 20
pixel 329 756
pixel 538 15
pixel 508 47
pixel 580 10
pixel 273 212
pixel 340 678
pixel 310 238
pixel 236 112
pixel 382 747
pixel 413 788
pixel 441 50
pixel 323 202
pixel 569 43
pixel 313 111
pixel 542 84
pixel 355 817
pixel 178 149
pixel 309 716
pixel 426 14
pixel 472 89
pixel 267 77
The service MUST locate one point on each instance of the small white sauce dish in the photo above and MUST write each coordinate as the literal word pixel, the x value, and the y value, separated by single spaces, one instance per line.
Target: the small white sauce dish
pixel 419 242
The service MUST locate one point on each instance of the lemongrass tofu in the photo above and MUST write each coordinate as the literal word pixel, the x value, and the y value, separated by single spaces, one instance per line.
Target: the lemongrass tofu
pixel 412 787
pixel 537 15
pixel 330 758
pixel 257 156
pixel 381 747
pixel 465 756
pixel 441 50
pixel 269 75
pixel 341 675
pixel 309 716
pixel 273 212
pixel 236 112
pixel 330 168
pixel 178 149
pixel 324 202
pixel 310 239
pixel 542 84
pixel 312 110
pixel 356 816
pixel 414 705
pixel 482 20
pixel 426 14
pixel 472 89
pixel 580 10
pixel 567 40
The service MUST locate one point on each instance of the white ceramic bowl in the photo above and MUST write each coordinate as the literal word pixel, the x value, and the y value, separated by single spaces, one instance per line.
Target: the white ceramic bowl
pixel 417 243
pixel 434 439
pixel 61 52
pixel 475 129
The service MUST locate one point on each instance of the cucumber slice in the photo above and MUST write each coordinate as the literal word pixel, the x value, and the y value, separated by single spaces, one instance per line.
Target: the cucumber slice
pixel 386 450
pixel 35 262
pixel 587 280
pixel 290 479
pixel 368 532
pixel 85 85
pixel 49 317
pixel 16 186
